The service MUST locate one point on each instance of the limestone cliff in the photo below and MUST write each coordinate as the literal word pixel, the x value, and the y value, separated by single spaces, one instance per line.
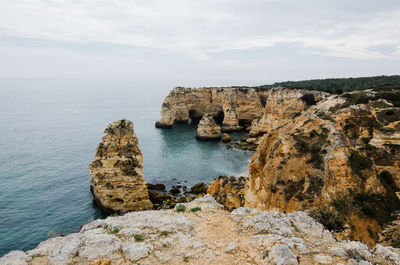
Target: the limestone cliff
pixel 237 107
pixel 208 129
pixel 281 106
pixel 201 232
pixel 339 160
pixel 116 172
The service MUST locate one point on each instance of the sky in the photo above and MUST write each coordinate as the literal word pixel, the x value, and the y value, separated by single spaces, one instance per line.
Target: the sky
pixel 242 42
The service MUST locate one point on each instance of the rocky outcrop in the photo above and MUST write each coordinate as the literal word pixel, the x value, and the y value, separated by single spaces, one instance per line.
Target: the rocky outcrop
pixel 228 191
pixel 116 172
pixel 281 106
pixel 208 129
pixel 236 107
pixel 201 232
pixel 340 162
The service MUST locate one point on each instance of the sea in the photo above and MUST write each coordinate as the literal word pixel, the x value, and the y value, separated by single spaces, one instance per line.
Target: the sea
pixel 49 131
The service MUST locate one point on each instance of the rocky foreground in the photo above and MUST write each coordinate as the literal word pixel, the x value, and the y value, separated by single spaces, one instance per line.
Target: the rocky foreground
pixel 201 232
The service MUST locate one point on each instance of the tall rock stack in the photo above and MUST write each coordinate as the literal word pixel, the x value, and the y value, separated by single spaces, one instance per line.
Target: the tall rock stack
pixel 116 172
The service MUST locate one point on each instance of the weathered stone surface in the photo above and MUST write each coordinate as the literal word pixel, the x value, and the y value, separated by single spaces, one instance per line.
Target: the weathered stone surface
pixel 322 161
pixel 226 138
pixel 237 106
pixel 199 188
pixel 228 191
pixel 281 255
pixel 208 129
pixel 209 236
pixel 281 107
pixel 116 172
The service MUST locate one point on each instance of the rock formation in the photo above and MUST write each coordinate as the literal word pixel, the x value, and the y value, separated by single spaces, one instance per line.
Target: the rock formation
pixel 208 129
pixel 203 233
pixel 339 160
pixel 228 191
pixel 281 106
pixel 116 172
pixel 237 107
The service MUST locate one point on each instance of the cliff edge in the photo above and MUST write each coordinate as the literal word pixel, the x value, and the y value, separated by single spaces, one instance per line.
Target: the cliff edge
pixel 201 232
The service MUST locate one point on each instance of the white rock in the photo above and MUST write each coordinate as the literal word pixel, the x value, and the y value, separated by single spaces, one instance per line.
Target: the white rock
pixel 15 257
pixel 386 253
pixel 360 262
pixel 97 244
pixel 231 247
pixel 238 214
pixel 323 259
pixel 281 255
pixel 136 251
pixel 308 226
pixel 59 250
pixel 269 222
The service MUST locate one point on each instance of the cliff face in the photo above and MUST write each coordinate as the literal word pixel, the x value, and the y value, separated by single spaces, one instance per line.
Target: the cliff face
pixel 280 107
pixel 237 106
pixel 342 163
pixel 116 172
pixel 206 235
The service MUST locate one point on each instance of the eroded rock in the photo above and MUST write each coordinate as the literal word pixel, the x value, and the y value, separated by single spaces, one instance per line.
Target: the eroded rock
pixel 117 179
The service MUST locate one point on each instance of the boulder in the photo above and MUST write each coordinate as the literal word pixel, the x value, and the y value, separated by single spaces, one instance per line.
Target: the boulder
pixel 226 138
pixel 199 188
pixel 117 179
pixel 208 129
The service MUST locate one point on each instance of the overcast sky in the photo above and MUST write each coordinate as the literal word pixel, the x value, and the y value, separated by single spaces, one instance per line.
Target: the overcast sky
pixel 247 42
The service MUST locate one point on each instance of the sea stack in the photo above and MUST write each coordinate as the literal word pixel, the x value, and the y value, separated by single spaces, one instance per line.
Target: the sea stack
pixel 116 173
pixel 208 129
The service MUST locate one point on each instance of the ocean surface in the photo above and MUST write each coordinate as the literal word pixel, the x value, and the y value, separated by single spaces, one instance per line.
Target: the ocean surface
pixel 49 131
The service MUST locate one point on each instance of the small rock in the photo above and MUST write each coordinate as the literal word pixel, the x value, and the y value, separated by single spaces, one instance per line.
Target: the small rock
pixel 160 187
pixel 231 247
pixel 323 259
pixel 199 188
pixel 137 251
pixel 226 138
pixel 281 255
pixel 175 190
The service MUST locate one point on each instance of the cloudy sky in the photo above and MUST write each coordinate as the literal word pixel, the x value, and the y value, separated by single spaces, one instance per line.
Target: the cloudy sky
pixel 247 41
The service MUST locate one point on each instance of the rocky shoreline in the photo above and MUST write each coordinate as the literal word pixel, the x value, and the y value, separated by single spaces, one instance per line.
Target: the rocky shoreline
pixel 330 158
pixel 201 232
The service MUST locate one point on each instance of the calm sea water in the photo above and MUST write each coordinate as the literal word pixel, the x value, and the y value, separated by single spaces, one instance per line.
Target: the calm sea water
pixel 49 131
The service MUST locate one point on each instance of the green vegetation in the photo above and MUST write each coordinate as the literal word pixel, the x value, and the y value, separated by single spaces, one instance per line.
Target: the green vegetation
pixel 330 220
pixel 195 209
pixel 111 230
pixel 164 233
pixel 138 238
pixel 359 162
pixel 180 208
pixel 309 99
pixel 340 85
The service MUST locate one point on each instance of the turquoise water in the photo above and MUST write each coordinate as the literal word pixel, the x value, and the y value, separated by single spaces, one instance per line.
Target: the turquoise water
pixel 49 131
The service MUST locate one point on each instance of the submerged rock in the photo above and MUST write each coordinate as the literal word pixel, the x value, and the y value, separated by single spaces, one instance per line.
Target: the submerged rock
pixel 116 172
pixel 226 138
pixel 208 129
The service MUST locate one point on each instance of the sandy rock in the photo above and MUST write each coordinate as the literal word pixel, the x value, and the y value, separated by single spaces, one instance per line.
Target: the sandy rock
pixel 136 251
pixel 228 191
pixel 281 255
pixel 208 129
pixel 226 138
pixel 15 257
pixel 116 172
pixel 323 259
pixel 231 104
pixel 231 247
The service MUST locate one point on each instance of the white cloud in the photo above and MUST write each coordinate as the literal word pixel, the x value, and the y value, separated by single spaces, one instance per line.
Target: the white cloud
pixel 202 30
